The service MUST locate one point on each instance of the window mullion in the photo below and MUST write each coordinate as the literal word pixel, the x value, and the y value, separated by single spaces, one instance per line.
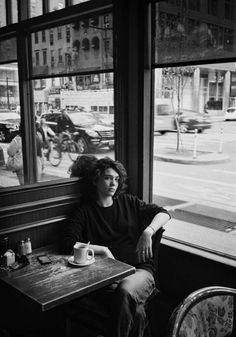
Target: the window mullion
pixel 27 115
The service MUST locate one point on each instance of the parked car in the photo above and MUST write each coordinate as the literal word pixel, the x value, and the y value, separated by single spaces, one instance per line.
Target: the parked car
pixel 9 125
pixel 230 114
pixel 91 134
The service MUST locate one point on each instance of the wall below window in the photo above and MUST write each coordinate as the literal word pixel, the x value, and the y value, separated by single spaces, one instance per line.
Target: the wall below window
pixel 181 273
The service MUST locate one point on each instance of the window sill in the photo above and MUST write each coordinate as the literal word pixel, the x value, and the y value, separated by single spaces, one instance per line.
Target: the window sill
pixel 208 243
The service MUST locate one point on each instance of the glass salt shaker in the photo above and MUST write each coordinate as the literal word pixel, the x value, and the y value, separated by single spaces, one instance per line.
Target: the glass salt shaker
pixel 28 246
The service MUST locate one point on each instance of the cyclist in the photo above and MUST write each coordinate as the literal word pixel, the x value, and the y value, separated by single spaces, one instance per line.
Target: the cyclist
pixel 47 133
pixel 63 124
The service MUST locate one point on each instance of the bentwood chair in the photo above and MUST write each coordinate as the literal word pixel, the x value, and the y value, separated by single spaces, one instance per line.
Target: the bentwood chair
pixel 207 312
pixel 91 318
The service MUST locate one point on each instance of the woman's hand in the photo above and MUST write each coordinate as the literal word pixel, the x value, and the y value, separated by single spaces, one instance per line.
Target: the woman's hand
pixel 144 246
pixel 108 253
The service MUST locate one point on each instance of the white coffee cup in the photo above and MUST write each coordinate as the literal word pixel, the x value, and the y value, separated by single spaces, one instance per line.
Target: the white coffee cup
pixel 82 254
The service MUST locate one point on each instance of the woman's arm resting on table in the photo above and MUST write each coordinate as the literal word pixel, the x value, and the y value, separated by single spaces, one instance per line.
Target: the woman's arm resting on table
pixel 144 245
pixel 102 250
pixel 99 250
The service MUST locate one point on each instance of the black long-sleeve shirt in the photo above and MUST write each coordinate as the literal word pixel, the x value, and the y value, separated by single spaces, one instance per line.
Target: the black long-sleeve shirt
pixel 117 227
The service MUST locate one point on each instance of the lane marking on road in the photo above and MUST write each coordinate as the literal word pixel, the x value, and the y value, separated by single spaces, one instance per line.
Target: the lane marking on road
pixel 198 179
pixel 224 171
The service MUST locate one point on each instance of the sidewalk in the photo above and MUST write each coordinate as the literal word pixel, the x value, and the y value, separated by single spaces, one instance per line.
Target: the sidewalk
pixel 187 157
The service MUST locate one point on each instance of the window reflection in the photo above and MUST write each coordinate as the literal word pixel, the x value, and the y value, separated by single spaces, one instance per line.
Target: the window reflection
pixel 84 45
pixel 74 115
pixel 197 33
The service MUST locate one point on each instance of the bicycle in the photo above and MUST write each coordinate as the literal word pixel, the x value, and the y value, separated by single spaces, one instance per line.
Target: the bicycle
pixel 65 144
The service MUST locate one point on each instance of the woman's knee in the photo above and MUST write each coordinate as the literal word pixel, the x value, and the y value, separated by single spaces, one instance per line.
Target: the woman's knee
pixel 136 288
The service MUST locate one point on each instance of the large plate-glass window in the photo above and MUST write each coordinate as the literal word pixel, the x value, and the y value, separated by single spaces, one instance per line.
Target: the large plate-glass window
pixel 195 115
pixel 10 136
pixel 185 32
pixel 72 79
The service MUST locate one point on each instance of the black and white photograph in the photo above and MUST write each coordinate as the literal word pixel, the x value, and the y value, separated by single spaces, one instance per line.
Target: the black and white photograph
pixel 118 168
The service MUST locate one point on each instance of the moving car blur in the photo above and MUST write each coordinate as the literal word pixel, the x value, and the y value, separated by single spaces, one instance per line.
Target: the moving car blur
pixel 166 118
pixel 190 120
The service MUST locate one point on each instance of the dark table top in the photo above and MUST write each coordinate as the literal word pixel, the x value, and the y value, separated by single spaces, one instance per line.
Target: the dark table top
pixel 57 283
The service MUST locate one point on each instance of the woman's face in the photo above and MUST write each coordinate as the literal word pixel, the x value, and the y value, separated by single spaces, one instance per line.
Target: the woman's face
pixel 107 183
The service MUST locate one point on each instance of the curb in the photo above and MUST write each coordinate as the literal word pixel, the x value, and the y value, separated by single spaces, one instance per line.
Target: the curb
pixel 203 159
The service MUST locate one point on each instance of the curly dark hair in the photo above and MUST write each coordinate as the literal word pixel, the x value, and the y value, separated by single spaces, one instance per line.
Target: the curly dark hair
pixel 89 169
pixel 105 163
pixel 83 166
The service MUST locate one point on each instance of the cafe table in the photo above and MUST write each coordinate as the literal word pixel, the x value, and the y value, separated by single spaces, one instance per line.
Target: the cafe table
pixel 51 285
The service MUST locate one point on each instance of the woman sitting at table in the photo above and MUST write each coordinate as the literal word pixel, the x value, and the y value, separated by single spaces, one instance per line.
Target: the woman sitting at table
pixel 120 226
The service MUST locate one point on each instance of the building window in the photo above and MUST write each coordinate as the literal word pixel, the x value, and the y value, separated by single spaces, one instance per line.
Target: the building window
pixel 37 58
pixel 95 43
pixel 67 34
pixel 76 46
pixel 52 59
pixel 51 37
pixel 85 44
pixel 45 56
pixel 43 36
pixel 36 38
pixel 60 57
pixel 59 33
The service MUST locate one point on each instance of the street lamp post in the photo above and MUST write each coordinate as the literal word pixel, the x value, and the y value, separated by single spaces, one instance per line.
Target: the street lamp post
pixel 8 99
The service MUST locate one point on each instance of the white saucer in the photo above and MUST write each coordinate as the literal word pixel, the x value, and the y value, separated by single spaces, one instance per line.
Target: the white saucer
pixel 87 263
